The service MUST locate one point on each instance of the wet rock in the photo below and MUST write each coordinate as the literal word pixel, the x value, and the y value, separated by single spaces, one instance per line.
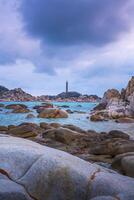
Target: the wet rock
pixel 69 111
pixel 64 106
pixel 21 110
pixel 45 126
pixel 53 113
pixel 2 105
pixel 29 116
pixel 49 174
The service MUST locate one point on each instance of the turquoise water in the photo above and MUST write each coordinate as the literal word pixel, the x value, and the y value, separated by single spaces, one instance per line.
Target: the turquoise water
pixel 8 118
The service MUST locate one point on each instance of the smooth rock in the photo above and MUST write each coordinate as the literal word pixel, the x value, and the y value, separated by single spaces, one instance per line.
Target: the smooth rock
pixel 50 174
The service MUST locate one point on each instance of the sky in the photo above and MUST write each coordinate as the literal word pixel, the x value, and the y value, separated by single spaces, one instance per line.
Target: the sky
pixel 43 43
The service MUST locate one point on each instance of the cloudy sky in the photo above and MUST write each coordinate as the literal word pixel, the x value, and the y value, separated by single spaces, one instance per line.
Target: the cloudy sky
pixel 43 43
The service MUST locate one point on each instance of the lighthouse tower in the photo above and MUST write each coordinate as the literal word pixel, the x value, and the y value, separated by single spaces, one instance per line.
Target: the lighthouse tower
pixel 66 87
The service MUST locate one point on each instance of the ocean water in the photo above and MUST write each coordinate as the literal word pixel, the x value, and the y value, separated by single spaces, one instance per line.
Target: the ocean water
pixel 81 120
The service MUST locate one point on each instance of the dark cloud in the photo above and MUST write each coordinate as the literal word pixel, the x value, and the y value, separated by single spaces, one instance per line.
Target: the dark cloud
pixel 70 22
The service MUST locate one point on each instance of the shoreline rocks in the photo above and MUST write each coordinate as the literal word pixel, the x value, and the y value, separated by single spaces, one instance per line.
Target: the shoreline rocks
pixel 116 106
pixel 37 172
pixel 89 145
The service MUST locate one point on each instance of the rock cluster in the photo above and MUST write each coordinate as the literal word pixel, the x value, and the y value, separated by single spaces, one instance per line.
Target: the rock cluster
pixel 30 171
pixel 16 95
pixel 116 105
pixel 88 145
pixel 18 108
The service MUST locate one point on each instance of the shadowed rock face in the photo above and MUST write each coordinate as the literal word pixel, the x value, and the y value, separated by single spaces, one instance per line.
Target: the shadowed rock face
pixel 35 172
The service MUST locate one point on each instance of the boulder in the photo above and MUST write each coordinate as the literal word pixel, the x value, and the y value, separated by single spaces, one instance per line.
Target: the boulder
pixel 63 135
pixel 40 108
pixel 73 128
pixel 3 128
pixel 25 130
pixel 113 147
pixel 110 94
pixel 118 134
pixel 124 163
pixel 21 110
pixel 55 125
pixel 125 120
pixel 53 113
pixel 38 172
pixel 45 126
pixel 16 106
pixel 130 88
pixel 100 106
pixel 98 116
pixel 29 116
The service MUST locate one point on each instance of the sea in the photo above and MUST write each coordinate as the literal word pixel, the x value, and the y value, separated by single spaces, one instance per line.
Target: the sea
pixel 81 120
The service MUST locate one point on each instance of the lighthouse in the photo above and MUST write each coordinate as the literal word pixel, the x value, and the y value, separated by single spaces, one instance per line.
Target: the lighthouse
pixel 66 87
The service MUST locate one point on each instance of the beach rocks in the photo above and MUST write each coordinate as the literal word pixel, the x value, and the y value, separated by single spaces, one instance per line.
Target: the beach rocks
pixel 53 113
pixel 119 106
pixel 63 135
pixel 49 174
pixel 25 130
pixel 124 163
pixel 18 108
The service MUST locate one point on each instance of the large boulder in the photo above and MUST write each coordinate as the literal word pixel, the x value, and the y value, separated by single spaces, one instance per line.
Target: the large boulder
pixel 124 163
pixel 110 94
pixel 113 147
pixel 32 171
pixel 53 113
pixel 130 88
